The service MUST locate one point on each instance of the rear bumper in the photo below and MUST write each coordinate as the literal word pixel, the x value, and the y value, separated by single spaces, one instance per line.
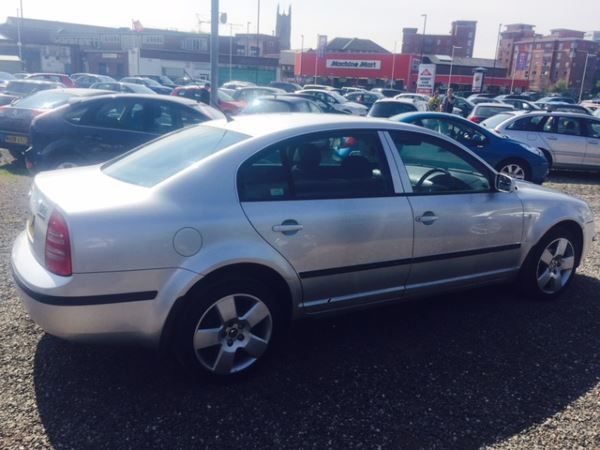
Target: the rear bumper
pixel 97 307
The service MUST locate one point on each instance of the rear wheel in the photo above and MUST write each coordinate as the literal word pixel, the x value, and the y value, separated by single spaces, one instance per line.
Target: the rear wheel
pixel 227 328
pixel 551 264
pixel 515 168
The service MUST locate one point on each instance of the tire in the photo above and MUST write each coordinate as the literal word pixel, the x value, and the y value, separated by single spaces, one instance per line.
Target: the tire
pixel 241 319
pixel 515 168
pixel 551 264
pixel 548 157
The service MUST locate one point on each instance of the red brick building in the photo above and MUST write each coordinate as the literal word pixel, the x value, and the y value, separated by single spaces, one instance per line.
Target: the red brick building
pixel 462 34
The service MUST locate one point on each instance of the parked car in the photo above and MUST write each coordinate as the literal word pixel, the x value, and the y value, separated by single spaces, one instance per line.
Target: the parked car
pixel 149 83
pixel 16 89
pixel 482 111
pixel 569 140
pixel 246 95
pixel 207 242
pixel 126 88
pixel 237 84
pixel 518 160
pixel 520 104
pixel 410 96
pixel 364 98
pixel 97 129
pixel 462 106
pixel 16 119
pixel 163 80
pixel 592 104
pixel 388 107
pixel 5 77
pixel 285 86
pixel 555 98
pixel 497 119
pixel 473 98
pixel 350 89
pixel 387 92
pixel 324 106
pixel 55 77
pixel 317 86
pixel 503 97
pixel 21 75
pixel 226 103
pixel 479 100
pixel 336 101
pixel 567 107
pixel 281 104
pixel 597 113
pixel 86 80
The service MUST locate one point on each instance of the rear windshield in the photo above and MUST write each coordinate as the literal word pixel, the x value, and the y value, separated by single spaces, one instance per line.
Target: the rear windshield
pixel 44 100
pixel 389 109
pixel 160 159
pixel 496 120
pixel 267 106
pixel 22 87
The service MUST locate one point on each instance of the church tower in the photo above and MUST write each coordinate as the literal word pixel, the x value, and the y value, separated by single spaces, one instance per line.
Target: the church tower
pixel 283 28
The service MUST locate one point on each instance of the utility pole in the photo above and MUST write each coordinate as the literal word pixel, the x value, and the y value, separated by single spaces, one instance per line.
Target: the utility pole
pixel 301 55
pixel 214 53
pixel 497 44
pixel 587 56
pixel 393 65
pixel 454 47
pixel 19 43
pixel 423 40
pixel 257 37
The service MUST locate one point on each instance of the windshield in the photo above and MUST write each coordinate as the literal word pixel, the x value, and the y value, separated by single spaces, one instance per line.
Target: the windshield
pixel 224 97
pixel 338 97
pixel 488 111
pixel 151 82
pixel 496 120
pixel 44 100
pixel 267 106
pixel 160 159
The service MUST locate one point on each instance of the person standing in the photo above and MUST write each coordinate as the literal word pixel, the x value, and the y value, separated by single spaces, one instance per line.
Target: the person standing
pixel 435 101
pixel 448 103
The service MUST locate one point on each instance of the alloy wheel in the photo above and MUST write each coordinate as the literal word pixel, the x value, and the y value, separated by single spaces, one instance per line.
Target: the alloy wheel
pixel 513 170
pixel 233 334
pixel 555 266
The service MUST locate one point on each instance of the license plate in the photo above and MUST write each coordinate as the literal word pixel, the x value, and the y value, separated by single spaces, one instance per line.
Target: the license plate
pixel 19 140
pixel 31 227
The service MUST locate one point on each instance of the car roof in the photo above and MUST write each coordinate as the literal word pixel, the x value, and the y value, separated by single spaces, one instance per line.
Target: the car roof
pixel 395 100
pixel 165 98
pixel 496 105
pixel 286 98
pixel 257 125
pixel 39 82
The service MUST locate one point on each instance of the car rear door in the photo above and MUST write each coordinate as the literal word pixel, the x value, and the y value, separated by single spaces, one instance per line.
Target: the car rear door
pixel 565 136
pixel 592 154
pixel 328 203
pixel 465 232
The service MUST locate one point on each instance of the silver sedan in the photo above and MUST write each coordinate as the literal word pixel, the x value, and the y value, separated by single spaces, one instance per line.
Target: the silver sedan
pixel 210 240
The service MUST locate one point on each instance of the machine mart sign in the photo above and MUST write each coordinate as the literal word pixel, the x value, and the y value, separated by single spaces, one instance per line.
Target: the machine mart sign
pixel 426 81
pixel 360 64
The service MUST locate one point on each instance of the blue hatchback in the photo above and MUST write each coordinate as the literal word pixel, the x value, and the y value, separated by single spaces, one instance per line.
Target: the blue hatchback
pixel 513 158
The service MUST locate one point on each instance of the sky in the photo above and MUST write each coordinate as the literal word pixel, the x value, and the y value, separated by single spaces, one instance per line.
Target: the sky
pixel 379 20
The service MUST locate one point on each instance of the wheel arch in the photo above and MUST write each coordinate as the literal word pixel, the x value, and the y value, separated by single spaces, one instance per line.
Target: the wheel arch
pixel 573 227
pixel 255 271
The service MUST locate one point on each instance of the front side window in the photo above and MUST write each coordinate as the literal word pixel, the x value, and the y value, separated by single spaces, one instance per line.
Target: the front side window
pixel 564 125
pixel 464 134
pixel 318 166
pixel 593 129
pixel 435 166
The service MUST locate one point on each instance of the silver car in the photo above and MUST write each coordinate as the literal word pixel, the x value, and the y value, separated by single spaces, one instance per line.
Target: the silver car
pixel 210 240
pixel 568 140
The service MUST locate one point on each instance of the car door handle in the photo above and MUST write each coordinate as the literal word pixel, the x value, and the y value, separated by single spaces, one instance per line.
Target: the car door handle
pixel 552 138
pixel 427 218
pixel 593 142
pixel 287 227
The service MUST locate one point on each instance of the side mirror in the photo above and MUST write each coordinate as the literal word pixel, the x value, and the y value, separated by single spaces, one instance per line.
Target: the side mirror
pixel 504 183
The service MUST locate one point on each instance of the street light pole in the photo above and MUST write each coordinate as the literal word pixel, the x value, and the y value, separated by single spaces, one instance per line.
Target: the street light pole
pixel 257 36
pixel 214 53
pixel 301 55
pixel 423 40
pixel 454 47
pixel 497 44
pixel 587 56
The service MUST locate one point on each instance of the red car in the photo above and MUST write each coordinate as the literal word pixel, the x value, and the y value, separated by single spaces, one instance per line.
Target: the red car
pixel 56 77
pixel 201 94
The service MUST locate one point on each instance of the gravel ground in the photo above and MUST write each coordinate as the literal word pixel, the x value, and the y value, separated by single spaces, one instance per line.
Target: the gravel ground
pixel 482 369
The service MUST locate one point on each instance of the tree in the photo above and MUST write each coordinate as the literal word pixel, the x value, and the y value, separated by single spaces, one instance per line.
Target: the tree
pixel 560 86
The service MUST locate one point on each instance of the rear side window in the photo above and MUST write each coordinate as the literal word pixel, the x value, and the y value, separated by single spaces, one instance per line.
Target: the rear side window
pixel 533 123
pixel 318 166
pixel 593 128
pixel 162 158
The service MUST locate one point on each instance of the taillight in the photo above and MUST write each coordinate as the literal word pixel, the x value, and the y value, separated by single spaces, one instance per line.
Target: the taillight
pixel 58 246
pixel 475 119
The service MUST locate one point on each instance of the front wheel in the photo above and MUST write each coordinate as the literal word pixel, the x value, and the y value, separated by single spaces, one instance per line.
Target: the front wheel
pixel 551 265
pixel 228 328
pixel 515 168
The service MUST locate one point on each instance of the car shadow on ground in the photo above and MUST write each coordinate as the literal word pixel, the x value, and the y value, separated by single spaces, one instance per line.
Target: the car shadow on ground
pixel 575 177
pixel 456 371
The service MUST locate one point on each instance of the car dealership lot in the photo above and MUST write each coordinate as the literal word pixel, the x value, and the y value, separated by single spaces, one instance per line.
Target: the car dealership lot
pixel 482 368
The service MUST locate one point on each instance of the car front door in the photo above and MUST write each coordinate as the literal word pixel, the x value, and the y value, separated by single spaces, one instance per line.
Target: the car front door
pixel 328 203
pixel 592 154
pixel 566 138
pixel 465 231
